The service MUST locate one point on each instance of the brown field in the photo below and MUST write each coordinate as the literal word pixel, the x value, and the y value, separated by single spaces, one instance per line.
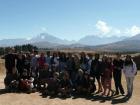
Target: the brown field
pixel 36 98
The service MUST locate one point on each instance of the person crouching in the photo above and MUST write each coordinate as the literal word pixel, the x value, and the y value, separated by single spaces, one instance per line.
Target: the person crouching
pixel 65 85
pixel 52 85
pixel 26 83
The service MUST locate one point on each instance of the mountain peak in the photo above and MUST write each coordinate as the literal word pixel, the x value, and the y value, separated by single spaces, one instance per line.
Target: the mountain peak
pixel 97 40
pixel 136 37
pixel 49 39
pixel 44 34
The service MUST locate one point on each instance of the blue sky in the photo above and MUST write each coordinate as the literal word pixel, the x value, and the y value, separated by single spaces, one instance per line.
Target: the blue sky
pixel 69 19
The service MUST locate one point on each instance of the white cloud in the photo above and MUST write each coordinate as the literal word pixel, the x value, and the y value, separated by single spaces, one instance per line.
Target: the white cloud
pixel 133 30
pixel 28 38
pixel 106 30
pixel 43 29
pixel 103 27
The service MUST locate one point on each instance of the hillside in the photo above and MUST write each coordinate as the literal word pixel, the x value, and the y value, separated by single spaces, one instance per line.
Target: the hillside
pixel 130 44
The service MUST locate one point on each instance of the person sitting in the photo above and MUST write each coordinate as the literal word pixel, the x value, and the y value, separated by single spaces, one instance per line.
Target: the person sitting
pixel 14 86
pixel 11 82
pixel 65 85
pixel 83 84
pixel 92 86
pixel 52 85
pixel 26 83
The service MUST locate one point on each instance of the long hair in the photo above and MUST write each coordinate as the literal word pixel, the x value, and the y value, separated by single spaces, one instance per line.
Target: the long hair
pixel 128 61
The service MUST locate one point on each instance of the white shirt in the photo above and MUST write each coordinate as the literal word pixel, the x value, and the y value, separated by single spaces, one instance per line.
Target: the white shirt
pixel 130 70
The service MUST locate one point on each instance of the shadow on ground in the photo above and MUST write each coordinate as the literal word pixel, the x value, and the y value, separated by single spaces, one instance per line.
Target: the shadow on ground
pixel 95 97
pixel 3 91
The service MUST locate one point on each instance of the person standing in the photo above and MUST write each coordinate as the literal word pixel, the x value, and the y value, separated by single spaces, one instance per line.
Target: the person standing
pixel 130 70
pixel 27 63
pixel 10 63
pixel 103 67
pixel 83 62
pixel 95 71
pixel 34 64
pixel 90 58
pixel 117 74
pixel 54 62
pixel 62 62
pixel 20 63
pixel 71 66
pixel 107 75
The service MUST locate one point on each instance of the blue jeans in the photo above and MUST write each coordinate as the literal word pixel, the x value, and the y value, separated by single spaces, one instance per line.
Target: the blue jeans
pixel 129 81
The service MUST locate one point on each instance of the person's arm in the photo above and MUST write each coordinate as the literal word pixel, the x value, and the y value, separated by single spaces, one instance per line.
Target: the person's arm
pixel 100 68
pixel 31 80
pixel 114 64
pixel 91 68
pixel 122 62
pixel 124 70
pixel 134 68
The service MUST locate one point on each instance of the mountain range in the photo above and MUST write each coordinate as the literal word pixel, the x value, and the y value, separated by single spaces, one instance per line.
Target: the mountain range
pixel 131 44
pixel 45 40
pixel 50 39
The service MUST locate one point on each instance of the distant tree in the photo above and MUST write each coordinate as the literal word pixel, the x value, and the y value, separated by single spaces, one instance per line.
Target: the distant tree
pixel 25 48
pixel 1 51
pixel 18 48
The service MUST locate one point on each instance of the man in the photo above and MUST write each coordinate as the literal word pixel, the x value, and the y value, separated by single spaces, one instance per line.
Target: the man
pixel 10 61
pixel 117 74
pixel 95 71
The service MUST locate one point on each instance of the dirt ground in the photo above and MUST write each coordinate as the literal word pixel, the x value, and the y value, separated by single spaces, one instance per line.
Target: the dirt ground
pixel 37 99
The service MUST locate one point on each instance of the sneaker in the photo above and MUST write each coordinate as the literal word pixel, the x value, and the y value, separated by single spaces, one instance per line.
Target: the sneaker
pixel 122 93
pixel 116 93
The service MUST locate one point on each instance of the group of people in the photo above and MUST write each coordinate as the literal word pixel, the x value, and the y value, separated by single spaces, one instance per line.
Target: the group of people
pixel 64 74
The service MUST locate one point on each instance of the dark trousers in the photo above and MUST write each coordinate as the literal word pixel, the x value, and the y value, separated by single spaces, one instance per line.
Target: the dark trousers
pixel 117 79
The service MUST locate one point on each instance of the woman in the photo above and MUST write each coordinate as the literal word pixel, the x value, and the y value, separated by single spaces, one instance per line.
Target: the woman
pixel 62 62
pixel 107 75
pixel 90 58
pixel 130 70
pixel 54 62
pixel 103 68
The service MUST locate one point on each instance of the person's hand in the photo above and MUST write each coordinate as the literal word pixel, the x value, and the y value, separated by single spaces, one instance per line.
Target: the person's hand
pixel 136 73
pixel 14 71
